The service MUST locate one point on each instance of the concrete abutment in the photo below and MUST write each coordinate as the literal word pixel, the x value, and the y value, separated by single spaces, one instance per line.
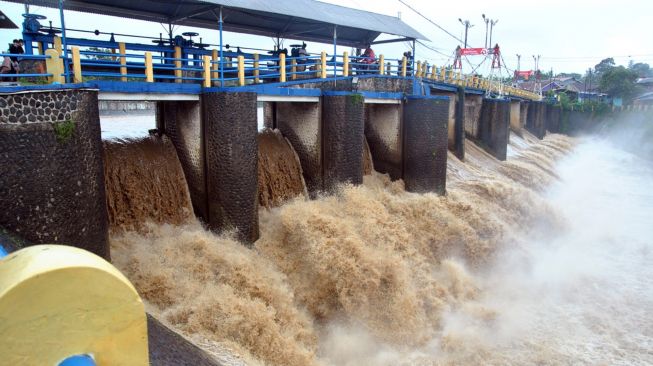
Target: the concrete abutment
pixel 52 181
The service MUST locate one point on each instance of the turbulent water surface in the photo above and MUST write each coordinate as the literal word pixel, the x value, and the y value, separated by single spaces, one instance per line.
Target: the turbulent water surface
pixel 541 260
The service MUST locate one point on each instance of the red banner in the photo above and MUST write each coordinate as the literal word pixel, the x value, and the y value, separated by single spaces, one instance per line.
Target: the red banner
pixel 472 51
pixel 524 74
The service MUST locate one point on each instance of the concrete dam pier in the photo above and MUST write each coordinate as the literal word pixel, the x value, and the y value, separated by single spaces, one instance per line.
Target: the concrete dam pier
pixel 55 132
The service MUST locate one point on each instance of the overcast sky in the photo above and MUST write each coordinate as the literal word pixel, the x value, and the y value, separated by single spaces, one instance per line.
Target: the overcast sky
pixel 570 36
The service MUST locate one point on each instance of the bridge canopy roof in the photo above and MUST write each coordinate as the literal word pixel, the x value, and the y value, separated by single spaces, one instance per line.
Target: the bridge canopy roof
pixel 5 22
pixel 307 20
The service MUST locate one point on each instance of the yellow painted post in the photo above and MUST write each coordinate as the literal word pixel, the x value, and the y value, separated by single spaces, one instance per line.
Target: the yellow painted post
pixel 323 69
pixel 381 65
pixel 282 67
pixel 256 71
pixel 54 66
pixel 434 72
pixel 77 66
pixel 123 61
pixel 86 306
pixel 451 80
pixel 40 46
pixel 293 69
pixel 442 73
pixel 403 66
pixel 215 66
pixel 345 64
pixel 178 73
pixel 418 68
pixel 241 70
pixel 425 70
pixel 149 70
pixel 206 61
pixel 56 44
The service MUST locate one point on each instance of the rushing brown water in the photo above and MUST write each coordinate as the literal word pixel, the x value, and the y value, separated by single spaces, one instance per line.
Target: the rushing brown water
pixel 279 171
pixel 366 276
pixel 144 182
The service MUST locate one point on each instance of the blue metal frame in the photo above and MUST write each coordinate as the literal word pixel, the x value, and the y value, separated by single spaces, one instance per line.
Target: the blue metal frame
pixel 64 43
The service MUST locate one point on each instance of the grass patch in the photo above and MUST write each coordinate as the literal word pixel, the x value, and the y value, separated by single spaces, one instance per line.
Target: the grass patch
pixel 64 130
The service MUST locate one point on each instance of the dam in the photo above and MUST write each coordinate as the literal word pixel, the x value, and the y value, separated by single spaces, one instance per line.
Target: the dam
pixel 311 210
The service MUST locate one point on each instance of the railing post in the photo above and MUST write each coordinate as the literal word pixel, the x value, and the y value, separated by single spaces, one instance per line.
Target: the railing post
pixel 77 66
pixel 403 66
pixel 56 44
pixel 207 71
pixel 256 72
pixel 241 70
pixel 54 66
pixel 323 69
pixel 282 67
pixel 123 61
pixel 215 66
pixel 434 72
pixel 293 69
pixel 149 70
pixel 388 68
pixel 381 65
pixel 443 74
pixel 178 73
pixel 345 64
pixel 418 69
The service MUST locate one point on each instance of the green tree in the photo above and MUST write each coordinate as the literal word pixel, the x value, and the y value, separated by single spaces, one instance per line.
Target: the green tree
pixel 643 70
pixel 603 66
pixel 619 82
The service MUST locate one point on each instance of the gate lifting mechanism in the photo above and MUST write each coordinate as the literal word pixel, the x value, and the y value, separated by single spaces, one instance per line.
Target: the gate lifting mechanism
pixel 495 52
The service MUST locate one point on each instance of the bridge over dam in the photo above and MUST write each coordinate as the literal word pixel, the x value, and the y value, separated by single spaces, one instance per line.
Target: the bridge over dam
pixel 235 132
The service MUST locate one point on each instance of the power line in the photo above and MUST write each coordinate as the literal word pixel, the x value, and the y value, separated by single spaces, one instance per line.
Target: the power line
pixel 430 21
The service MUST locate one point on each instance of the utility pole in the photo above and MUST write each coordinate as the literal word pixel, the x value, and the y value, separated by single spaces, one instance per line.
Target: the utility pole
pixel 487 24
pixel 467 25
pixel 492 24
pixel 518 62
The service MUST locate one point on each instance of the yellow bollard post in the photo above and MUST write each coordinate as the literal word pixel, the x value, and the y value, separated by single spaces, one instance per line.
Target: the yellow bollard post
pixel 206 60
pixel 56 44
pixel 403 66
pixel 241 70
pixel 381 65
pixel 418 68
pixel 434 72
pixel 123 61
pixel 54 66
pixel 256 71
pixel 149 70
pixel 282 67
pixel 293 69
pixel 77 66
pixel 345 64
pixel 178 73
pixel 323 68
pixel 215 66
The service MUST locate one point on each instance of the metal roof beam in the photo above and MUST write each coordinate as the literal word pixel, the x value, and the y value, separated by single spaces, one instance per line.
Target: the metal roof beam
pixel 393 40
pixel 201 11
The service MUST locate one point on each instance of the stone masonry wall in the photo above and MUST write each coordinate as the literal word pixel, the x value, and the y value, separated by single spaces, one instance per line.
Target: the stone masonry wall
pixel 52 184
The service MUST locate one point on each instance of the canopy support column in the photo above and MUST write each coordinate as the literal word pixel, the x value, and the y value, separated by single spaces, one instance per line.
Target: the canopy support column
pixel 412 62
pixel 335 51
pixel 221 52
pixel 64 42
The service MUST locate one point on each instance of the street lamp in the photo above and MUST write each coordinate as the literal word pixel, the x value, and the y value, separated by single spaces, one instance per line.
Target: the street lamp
pixel 487 21
pixel 467 25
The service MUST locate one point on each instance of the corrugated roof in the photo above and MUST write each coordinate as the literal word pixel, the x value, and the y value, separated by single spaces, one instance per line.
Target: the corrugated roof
pixel 297 19
pixel 6 23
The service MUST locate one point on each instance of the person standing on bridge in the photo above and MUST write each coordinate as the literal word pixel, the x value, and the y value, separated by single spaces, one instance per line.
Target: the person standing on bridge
pixel 368 58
